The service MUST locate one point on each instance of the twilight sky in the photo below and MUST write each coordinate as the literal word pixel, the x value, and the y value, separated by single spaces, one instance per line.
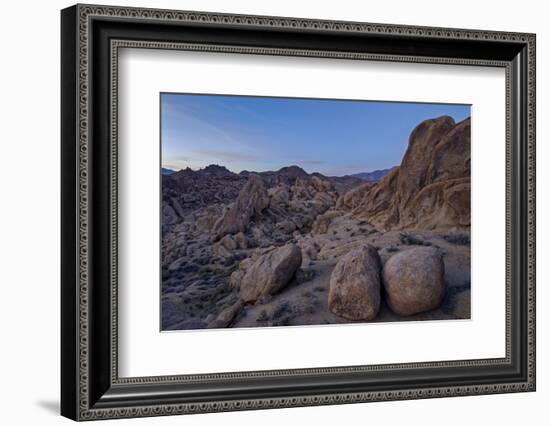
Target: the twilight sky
pixel 332 137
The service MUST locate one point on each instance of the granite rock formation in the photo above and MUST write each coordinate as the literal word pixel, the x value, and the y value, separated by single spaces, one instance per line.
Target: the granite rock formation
pixel 431 187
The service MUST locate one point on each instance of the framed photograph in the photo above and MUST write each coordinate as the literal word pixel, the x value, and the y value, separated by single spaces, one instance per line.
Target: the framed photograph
pixel 263 212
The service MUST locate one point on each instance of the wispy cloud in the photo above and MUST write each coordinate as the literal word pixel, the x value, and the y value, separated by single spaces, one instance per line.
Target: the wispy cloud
pixel 311 162
pixel 252 133
pixel 176 165
pixel 213 123
pixel 199 159
pixel 227 156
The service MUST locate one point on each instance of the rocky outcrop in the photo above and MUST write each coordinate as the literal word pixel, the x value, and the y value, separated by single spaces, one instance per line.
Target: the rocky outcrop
pixel 235 278
pixel 279 195
pixel 285 176
pixel 226 316
pixel 431 187
pixel 252 199
pixel 217 202
pixel 187 190
pixel 321 185
pixel 241 240
pixel 414 280
pixel 229 242
pixel 354 197
pixel 322 222
pixel 355 285
pixel 270 273
pixel 334 252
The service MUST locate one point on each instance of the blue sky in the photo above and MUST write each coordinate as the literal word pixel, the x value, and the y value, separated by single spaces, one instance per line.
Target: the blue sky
pixel 333 137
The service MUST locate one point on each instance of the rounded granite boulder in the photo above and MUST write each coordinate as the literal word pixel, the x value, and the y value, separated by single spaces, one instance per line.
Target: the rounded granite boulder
pixel 414 281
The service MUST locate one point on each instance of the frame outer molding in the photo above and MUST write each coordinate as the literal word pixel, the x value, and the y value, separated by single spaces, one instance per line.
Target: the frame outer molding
pixel 76 194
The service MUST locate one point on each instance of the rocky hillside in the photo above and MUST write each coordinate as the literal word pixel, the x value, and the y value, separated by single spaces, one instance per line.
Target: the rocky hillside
pixel 213 219
pixel 188 190
pixel 431 187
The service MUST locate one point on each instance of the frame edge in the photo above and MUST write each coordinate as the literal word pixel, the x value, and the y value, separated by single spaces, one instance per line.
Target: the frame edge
pixel 69 188
pixel 71 403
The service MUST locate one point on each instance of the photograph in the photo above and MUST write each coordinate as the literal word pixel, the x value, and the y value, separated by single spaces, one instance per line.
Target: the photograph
pixel 280 211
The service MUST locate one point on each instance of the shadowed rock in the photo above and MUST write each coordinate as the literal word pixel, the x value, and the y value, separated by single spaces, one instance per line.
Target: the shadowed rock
pixel 226 316
pixel 252 199
pixel 186 191
pixel 355 285
pixel 354 197
pixel 414 280
pixel 270 273
pixel 322 222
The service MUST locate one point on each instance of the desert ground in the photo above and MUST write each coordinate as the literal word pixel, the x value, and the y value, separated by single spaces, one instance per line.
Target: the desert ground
pixel 285 247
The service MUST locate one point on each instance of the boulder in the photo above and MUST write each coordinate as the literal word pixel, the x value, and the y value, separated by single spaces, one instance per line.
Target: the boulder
pixel 354 196
pixel 324 200
pixel 259 237
pixel 235 278
pixel 205 223
pixel 252 200
pixel 414 280
pixel 354 291
pixel 286 226
pixel 226 317
pixel 321 184
pixel 279 195
pixel 241 240
pixel 322 222
pixel 229 242
pixel 308 247
pixel 219 249
pixel 270 273
pixel 246 263
pixel 169 215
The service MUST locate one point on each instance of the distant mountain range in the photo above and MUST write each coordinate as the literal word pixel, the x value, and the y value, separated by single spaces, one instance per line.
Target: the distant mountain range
pixel 374 176
pixel 167 172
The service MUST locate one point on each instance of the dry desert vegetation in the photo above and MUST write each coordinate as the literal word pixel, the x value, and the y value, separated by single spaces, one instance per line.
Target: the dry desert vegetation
pixel 291 248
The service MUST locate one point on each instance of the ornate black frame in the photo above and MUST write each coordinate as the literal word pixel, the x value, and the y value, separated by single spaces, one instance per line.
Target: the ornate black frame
pixel 91 37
